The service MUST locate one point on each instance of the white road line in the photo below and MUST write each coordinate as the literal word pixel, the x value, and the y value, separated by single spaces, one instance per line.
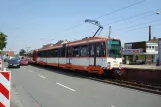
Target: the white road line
pixel 65 86
pixel 30 71
pixel 41 76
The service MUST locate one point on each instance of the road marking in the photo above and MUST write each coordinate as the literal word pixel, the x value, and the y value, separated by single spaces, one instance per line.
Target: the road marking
pixel 30 71
pixel 65 86
pixel 112 106
pixel 41 76
pixel 24 68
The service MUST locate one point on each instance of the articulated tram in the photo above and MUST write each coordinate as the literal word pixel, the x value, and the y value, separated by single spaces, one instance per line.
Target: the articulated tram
pixel 94 55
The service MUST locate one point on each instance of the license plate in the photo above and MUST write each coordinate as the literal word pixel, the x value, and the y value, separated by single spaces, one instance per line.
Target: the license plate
pixel 115 64
pixel 14 65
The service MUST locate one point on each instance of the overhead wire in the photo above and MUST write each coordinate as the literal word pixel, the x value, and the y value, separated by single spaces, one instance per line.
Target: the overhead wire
pixel 140 28
pixel 107 14
pixel 121 9
pixel 131 17
pixel 145 27
pixel 137 25
pixel 125 19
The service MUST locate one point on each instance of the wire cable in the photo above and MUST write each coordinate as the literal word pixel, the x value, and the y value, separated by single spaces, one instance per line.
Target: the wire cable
pixel 107 14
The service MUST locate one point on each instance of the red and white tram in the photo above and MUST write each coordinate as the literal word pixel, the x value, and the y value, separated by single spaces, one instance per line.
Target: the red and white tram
pixel 95 54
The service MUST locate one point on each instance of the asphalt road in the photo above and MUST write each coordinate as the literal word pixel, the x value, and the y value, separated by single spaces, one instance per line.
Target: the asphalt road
pixel 34 86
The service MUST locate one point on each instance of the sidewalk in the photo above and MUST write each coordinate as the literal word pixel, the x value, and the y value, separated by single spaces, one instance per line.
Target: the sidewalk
pixel 15 100
pixel 146 66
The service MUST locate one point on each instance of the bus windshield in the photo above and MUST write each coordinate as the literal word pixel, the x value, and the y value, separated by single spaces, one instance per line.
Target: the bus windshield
pixel 113 48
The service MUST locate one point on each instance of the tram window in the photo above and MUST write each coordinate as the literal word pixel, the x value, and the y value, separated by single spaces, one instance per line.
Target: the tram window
pixel 67 52
pixel 49 53
pixel 43 53
pixel 76 51
pixel 53 53
pixel 91 50
pixel 63 52
pixel 56 53
pixel 104 49
pixel 99 51
pixel 70 53
pixel 59 52
pixel 39 54
pixel 84 50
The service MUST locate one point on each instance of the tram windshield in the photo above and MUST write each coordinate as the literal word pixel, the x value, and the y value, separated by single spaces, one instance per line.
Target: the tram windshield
pixel 113 48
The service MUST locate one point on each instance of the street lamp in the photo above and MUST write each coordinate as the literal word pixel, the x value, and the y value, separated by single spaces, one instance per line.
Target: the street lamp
pixel 157 12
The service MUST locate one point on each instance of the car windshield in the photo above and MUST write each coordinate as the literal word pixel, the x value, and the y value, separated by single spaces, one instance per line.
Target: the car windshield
pixel 13 60
pixel 18 58
pixel 113 48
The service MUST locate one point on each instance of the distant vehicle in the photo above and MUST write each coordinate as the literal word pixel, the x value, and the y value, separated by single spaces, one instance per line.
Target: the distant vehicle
pixel 11 57
pixel 18 58
pixel 13 63
pixel 6 59
pixel 24 61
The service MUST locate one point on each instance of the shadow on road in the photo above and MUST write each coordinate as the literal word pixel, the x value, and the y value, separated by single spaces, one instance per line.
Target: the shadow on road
pixel 71 73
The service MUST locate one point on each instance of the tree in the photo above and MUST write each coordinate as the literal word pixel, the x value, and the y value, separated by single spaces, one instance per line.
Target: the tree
pixel 22 52
pixel 59 42
pixel 3 40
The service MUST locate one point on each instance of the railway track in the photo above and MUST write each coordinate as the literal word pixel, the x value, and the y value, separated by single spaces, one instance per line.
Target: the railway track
pixel 143 86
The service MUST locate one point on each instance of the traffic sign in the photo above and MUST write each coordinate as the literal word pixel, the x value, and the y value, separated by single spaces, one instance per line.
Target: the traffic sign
pixel 5 82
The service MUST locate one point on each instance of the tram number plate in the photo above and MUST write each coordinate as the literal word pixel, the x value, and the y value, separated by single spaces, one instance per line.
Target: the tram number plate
pixel 115 64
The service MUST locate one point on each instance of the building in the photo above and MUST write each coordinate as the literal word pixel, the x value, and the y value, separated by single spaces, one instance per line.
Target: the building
pixel 142 52
pixel 9 53
pixel 159 51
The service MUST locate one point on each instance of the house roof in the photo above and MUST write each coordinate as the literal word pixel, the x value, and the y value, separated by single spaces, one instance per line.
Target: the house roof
pixel 154 40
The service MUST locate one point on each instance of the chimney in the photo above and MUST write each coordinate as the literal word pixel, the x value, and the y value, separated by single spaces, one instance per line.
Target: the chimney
pixel 149 33
pixel 154 38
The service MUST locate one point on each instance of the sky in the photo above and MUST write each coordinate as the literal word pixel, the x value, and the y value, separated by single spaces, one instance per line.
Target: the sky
pixel 33 23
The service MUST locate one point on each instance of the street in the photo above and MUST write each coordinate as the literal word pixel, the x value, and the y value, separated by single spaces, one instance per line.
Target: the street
pixel 34 86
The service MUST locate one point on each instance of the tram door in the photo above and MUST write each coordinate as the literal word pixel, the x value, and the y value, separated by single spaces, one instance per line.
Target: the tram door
pixel 97 52
pixel 68 55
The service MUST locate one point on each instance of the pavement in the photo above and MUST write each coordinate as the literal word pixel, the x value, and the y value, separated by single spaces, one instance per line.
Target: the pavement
pixel 34 86
pixel 146 66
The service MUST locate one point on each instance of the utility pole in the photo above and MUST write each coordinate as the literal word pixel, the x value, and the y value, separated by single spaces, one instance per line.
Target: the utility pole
pixel 109 32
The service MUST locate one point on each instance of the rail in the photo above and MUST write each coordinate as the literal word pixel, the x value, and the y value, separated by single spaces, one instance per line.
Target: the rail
pixel 139 85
